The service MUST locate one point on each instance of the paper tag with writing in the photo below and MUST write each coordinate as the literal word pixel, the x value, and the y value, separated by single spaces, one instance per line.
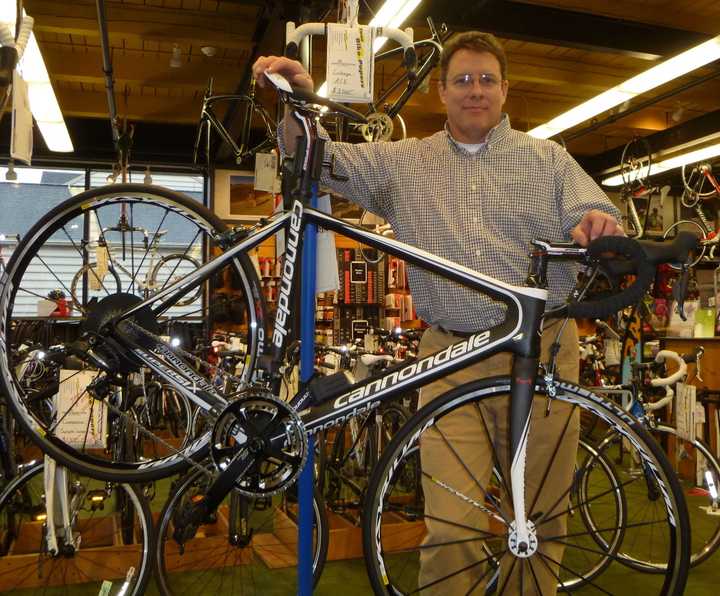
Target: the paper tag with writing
pixel 350 66
pixel 81 419
pixel 97 274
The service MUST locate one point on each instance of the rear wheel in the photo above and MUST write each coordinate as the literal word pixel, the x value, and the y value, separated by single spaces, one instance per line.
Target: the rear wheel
pixel 95 402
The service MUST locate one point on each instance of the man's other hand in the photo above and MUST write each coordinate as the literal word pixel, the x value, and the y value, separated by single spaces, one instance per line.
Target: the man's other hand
pixel 594 224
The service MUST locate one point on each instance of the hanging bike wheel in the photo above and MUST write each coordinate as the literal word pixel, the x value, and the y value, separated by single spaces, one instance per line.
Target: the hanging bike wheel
pixel 635 164
pixel 104 405
pixel 698 181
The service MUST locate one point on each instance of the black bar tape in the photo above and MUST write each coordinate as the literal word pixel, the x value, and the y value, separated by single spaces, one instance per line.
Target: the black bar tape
pixel 605 307
pixel 310 97
pixel 678 251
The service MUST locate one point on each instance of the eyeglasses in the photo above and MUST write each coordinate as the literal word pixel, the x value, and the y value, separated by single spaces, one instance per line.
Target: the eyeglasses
pixel 467 81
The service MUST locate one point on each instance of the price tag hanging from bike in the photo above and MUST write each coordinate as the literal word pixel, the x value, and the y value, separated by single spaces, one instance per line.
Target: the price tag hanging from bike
pixel 350 67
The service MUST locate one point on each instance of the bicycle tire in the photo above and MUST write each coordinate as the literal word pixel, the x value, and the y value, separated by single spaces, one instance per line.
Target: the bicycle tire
pixel 385 569
pixel 705 529
pixel 223 567
pixel 97 551
pixel 169 204
pixel 700 553
pixel 693 178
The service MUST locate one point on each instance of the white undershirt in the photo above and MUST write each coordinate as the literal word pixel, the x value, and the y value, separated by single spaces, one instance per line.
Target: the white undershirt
pixel 471 148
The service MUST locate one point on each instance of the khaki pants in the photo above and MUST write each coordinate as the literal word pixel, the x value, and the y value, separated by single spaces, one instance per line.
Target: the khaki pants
pixel 456 453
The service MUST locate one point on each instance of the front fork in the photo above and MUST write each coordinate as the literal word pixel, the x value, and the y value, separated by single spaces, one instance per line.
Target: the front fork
pixel 522 540
pixel 58 524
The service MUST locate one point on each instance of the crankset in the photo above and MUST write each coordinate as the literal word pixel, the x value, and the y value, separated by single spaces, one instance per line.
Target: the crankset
pixel 263 428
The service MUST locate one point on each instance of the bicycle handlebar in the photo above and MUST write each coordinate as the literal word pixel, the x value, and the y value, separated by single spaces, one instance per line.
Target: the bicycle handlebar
pixel 644 257
pixel 295 35
pixel 678 375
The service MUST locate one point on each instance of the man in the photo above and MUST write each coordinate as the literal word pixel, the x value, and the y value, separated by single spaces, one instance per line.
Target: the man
pixel 476 193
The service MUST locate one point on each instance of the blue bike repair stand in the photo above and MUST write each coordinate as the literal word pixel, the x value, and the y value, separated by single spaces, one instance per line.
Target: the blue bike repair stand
pixel 306 484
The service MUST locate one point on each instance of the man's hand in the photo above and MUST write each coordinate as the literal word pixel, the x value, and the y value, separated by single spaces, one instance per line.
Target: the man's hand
pixel 292 70
pixel 595 224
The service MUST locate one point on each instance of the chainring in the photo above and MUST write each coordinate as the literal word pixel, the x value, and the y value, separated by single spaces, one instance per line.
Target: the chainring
pixel 379 127
pixel 274 434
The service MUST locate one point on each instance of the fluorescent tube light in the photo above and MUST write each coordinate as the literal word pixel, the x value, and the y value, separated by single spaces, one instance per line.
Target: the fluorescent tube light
pixel 43 103
pixel 671 163
pixel 677 66
pixel 391 14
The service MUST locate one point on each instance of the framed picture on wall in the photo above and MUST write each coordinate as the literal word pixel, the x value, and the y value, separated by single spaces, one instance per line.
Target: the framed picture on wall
pixel 655 215
pixel 660 215
pixel 235 197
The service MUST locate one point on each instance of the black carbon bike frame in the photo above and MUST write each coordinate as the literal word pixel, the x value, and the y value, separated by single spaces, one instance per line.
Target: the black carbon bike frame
pixel 518 333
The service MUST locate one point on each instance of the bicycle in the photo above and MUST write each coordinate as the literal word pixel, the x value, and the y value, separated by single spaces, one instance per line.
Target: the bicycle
pixel 258 443
pixel 698 483
pixel 347 456
pixel 210 121
pixel 59 528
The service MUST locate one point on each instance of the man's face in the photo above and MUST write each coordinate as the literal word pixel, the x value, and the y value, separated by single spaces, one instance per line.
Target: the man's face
pixel 473 94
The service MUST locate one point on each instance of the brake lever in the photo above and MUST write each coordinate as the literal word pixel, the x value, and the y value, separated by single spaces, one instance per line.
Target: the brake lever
pixel 679 291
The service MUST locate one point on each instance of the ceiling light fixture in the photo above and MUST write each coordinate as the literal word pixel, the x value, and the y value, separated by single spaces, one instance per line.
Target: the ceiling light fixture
pixel 660 74
pixel 176 58
pixel 391 14
pixel 43 103
pixel 672 163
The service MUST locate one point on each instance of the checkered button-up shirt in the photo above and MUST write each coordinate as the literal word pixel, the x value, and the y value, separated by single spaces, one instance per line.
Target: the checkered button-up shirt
pixel 478 209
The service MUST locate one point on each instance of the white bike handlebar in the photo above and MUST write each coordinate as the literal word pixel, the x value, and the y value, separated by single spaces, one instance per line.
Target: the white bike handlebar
pixel 295 35
pixel 678 375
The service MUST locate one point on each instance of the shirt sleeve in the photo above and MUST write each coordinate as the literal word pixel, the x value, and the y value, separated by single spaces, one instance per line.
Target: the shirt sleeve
pixel 359 172
pixel 577 193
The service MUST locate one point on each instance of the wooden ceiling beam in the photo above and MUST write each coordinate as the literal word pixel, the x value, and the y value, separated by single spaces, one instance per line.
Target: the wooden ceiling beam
pixel 139 108
pixel 559 27
pixel 151 70
pixel 139 24
pixel 679 15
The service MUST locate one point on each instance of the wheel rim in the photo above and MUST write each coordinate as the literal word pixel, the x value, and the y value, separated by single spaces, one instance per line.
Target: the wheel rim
pixel 394 550
pixel 98 533
pixel 157 208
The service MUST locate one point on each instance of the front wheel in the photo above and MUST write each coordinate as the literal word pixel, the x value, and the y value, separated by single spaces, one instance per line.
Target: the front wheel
pixel 104 545
pixel 448 534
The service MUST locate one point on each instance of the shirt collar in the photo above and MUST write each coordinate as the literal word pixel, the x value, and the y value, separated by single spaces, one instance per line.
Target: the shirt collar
pixel 499 132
